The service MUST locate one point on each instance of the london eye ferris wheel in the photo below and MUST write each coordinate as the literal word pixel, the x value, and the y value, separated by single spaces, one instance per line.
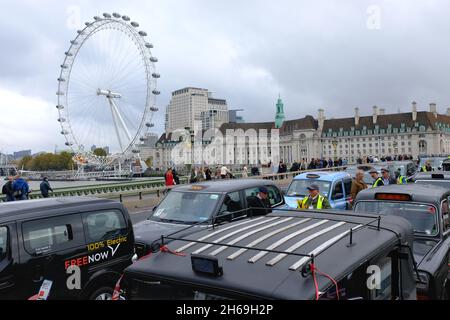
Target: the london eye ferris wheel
pixel 107 90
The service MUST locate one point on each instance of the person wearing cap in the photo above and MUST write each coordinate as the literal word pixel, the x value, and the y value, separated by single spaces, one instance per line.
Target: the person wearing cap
pixel 45 187
pixel 386 177
pixel 377 181
pixel 259 205
pixel 426 167
pixel 314 200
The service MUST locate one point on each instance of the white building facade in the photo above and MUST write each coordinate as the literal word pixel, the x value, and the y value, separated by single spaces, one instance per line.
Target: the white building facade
pixel 378 134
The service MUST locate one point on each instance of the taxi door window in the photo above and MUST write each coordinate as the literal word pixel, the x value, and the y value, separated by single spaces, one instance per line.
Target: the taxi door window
pixel 445 215
pixel 275 196
pixel 51 235
pixel 251 192
pixel 104 225
pixel 3 243
pixel 347 187
pixel 338 192
pixel 231 203
pixel 384 290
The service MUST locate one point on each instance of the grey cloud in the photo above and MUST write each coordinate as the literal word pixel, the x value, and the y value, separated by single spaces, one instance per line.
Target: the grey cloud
pixel 315 53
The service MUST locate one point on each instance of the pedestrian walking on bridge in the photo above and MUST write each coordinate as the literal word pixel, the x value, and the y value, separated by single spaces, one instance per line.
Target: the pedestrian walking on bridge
pixel 8 190
pixel 45 187
pixel 358 184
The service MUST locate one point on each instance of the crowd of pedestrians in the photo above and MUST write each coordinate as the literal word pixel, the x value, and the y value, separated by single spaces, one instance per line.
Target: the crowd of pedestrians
pixel 17 188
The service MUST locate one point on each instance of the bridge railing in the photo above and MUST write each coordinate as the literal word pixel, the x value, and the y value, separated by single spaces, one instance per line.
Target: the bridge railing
pixel 143 187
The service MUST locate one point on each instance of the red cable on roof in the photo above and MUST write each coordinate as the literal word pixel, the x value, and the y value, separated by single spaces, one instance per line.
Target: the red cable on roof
pixel 164 248
pixel 314 269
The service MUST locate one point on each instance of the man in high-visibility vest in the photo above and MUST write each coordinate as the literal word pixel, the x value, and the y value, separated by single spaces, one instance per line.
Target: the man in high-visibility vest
pixel 314 200
pixel 401 179
pixel 426 167
pixel 377 181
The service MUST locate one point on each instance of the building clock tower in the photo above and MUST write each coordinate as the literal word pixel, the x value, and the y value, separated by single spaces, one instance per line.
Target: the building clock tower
pixel 279 116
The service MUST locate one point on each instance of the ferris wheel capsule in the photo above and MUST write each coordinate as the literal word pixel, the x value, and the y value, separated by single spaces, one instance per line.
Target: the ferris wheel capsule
pixel 149 45
pixel 156 75
pixel 135 24
pixel 97 18
pixel 149 125
pixel 154 109
pixel 117 15
pixel 107 15
pixel 126 18
pixel 153 59
pixel 142 33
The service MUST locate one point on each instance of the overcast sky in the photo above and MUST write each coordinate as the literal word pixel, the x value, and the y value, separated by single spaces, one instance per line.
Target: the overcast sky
pixel 328 54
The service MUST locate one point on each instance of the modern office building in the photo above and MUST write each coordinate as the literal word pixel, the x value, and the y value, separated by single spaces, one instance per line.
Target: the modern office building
pixel 20 154
pixel 194 104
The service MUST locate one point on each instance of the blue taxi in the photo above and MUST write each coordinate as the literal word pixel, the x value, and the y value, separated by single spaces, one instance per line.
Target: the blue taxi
pixel 333 185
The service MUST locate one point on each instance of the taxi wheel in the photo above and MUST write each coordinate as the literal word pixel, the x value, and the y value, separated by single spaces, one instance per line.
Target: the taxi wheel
pixel 103 293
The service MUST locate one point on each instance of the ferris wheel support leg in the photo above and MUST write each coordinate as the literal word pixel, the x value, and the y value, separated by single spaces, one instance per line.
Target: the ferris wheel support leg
pixel 111 104
pixel 119 116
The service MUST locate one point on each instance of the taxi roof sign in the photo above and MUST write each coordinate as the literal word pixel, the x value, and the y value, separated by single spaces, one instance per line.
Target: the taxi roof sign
pixel 197 187
pixel 312 176
pixel 393 196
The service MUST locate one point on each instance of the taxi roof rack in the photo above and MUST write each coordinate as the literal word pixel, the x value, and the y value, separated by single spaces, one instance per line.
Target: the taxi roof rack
pixel 306 257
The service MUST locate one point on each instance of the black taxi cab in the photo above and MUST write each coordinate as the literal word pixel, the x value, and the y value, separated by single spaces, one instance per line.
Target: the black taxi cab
pixel 287 254
pixel 63 248
pixel 446 164
pixel 426 207
pixel 196 204
pixel 438 178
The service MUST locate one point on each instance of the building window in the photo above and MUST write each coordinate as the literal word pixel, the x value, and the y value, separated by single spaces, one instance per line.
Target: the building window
pixel 422 147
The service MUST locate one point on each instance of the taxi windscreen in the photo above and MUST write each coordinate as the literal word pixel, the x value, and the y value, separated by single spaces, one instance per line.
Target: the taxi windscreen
pixel 423 217
pixel 186 207
pixel 298 187
pixel 436 182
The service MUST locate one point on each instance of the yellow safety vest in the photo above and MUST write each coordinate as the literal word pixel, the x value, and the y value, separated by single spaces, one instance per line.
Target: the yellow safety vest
pixel 302 205
pixel 401 180
pixel 424 169
pixel 375 184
